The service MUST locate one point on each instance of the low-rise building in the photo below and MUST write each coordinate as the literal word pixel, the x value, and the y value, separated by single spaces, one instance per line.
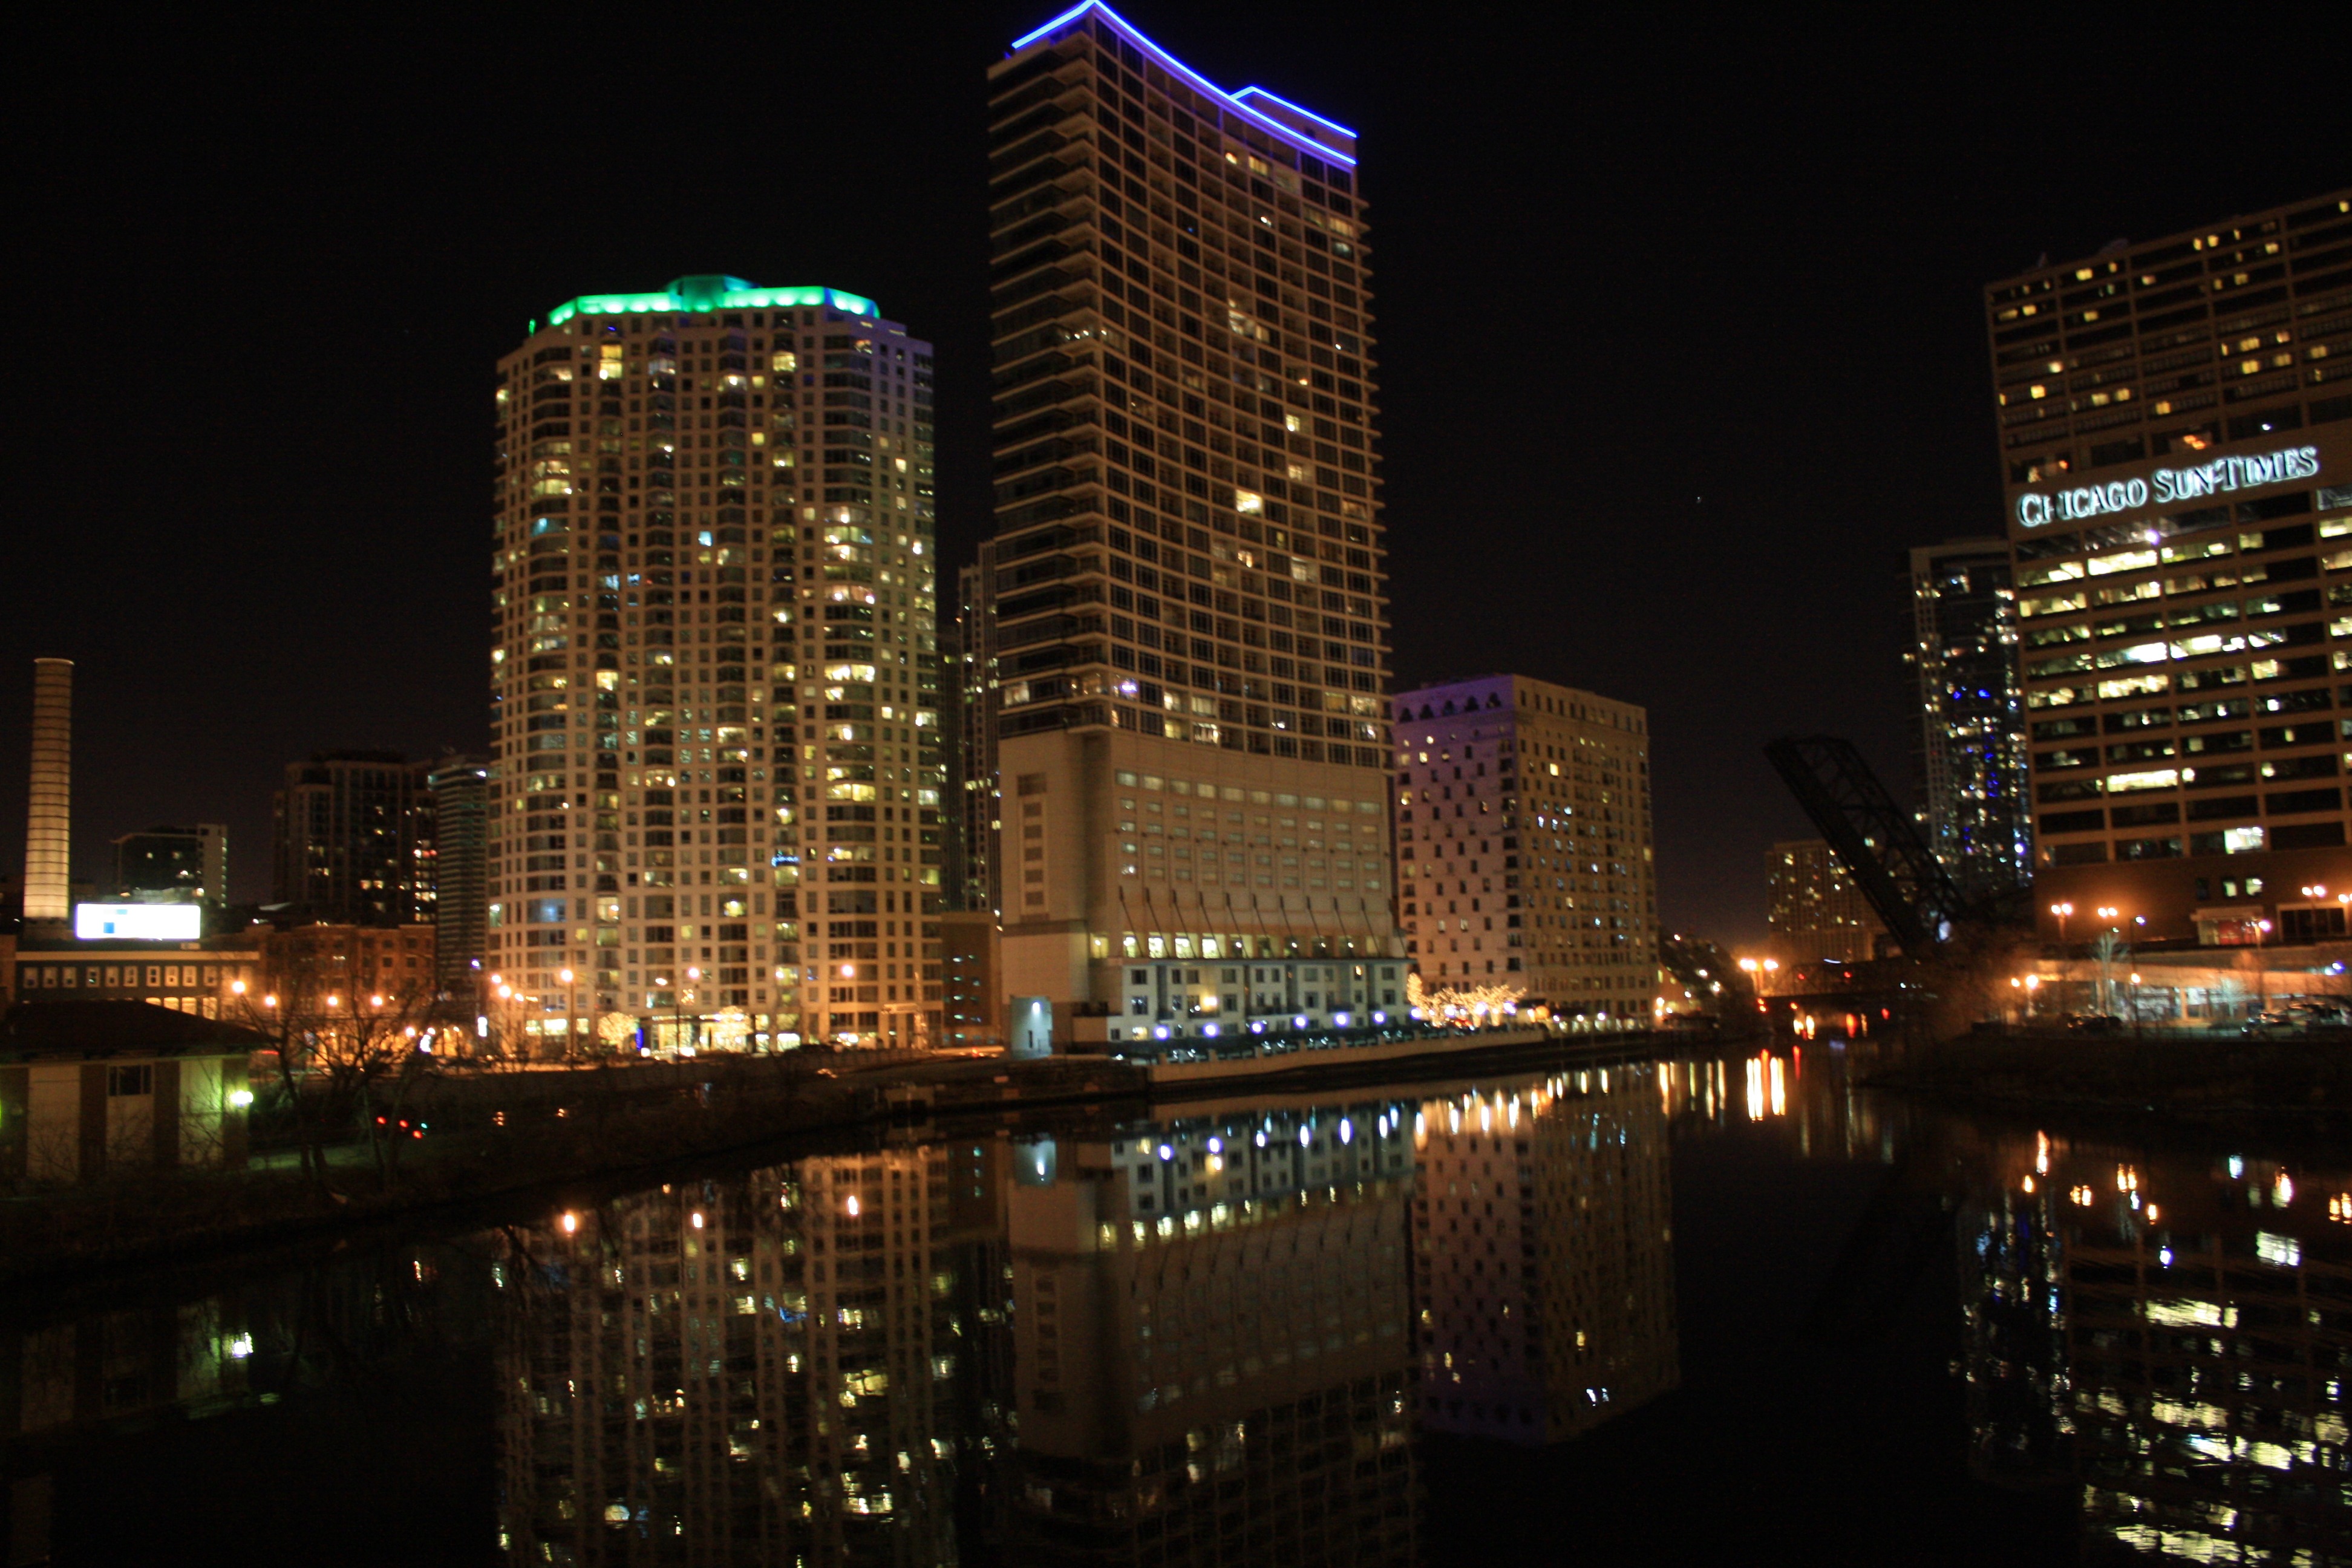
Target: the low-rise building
pixel 390 960
pixel 198 978
pixel 91 1087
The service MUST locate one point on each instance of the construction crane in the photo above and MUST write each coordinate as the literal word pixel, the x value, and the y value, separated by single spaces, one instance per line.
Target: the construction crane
pixel 1874 839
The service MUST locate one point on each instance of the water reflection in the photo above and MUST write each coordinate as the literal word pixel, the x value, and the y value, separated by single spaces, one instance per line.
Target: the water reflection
pixel 758 1370
pixel 2171 1334
pixel 1543 1245
pixel 1221 1333
pixel 1211 1361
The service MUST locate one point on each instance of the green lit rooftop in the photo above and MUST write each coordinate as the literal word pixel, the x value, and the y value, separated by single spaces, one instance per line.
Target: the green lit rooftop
pixel 708 293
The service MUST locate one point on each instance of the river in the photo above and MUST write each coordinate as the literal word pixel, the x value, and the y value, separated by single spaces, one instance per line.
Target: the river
pixel 1677 1310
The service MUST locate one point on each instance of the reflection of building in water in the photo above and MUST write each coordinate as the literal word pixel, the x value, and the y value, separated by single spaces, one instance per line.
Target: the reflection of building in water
pixel 189 1395
pixel 72 1376
pixel 2012 1268
pixel 1544 1256
pixel 2204 1346
pixel 1213 1361
pixel 757 1371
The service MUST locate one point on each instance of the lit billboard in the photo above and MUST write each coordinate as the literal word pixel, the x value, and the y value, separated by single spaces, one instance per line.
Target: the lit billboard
pixel 138 923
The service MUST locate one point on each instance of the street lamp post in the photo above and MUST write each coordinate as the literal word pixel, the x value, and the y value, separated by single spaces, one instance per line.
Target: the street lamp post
pixel 2061 912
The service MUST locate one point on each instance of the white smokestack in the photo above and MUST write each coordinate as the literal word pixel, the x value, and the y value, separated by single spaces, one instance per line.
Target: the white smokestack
pixel 48 825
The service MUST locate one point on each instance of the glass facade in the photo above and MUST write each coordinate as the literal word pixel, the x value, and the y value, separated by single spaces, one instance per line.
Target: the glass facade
pixel 1972 715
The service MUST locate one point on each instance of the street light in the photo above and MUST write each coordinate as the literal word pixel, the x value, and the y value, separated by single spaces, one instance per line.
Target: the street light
pixel 2061 912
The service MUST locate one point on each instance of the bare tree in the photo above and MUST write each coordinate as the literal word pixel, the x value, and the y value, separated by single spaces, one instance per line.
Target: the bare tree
pixel 347 1056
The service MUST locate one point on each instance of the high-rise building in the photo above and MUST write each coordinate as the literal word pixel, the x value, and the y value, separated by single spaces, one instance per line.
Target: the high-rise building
pixel 1972 715
pixel 978 806
pixel 352 840
pixel 1523 843
pixel 179 863
pixel 461 868
pixel 2176 429
pixel 1815 911
pixel 1185 590
pixel 714 686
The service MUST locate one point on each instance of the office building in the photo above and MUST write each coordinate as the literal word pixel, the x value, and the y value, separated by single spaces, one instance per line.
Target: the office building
pixel 715 689
pixel 1184 586
pixel 1523 844
pixel 1815 911
pixel 1972 716
pixel 2176 440
pixel 461 870
pixel 352 839
pixel 181 864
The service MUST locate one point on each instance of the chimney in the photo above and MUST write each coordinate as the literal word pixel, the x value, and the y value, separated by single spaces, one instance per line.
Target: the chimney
pixel 49 827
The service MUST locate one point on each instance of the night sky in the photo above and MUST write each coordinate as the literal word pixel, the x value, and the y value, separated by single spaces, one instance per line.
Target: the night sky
pixel 1678 330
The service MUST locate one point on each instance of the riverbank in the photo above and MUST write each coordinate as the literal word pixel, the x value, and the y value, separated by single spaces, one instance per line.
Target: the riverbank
pixel 500 1138
pixel 2301 1085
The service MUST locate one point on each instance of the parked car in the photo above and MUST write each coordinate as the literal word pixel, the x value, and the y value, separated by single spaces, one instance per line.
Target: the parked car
pixel 2094 1024
pixel 2259 1024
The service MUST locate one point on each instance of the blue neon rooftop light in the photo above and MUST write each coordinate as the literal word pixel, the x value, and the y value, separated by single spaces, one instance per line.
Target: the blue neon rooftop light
pixel 1296 109
pixel 1259 117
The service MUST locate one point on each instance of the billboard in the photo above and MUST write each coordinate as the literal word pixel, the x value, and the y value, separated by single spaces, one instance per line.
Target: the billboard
pixel 138 923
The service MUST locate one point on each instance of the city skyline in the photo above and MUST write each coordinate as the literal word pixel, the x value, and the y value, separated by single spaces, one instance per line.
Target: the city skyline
pixel 234 648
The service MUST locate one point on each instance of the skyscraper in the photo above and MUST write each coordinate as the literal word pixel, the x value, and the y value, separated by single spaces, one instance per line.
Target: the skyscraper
pixel 2173 421
pixel 461 836
pixel 190 863
pixel 1184 586
pixel 714 686
pixel 1972 714
pixel 1815 910
pixel 1523 843
pixel 353 840
pixel 977 806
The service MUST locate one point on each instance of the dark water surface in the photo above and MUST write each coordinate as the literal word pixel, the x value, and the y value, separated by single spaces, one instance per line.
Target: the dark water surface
pixel 1676 1311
